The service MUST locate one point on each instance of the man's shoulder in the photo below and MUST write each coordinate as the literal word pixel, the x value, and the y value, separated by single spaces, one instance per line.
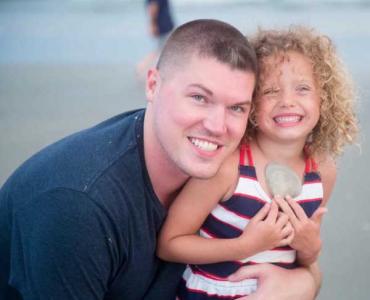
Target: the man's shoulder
pixel 78 160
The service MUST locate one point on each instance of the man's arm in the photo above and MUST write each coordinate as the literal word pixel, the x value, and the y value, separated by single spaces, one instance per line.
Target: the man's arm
pixel 62 248
pixel 281 284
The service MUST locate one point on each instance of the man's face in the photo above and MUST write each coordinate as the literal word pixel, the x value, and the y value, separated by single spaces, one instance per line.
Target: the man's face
pixel 199 113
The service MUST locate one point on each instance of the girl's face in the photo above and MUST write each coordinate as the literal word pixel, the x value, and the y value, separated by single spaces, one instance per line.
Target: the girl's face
pixel 288 102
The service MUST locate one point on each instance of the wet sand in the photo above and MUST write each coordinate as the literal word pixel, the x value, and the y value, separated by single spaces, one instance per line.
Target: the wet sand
pixel 66 67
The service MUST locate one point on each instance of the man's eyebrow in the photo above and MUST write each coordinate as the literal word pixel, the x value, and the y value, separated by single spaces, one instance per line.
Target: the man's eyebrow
pixel 209 92
pixel 246 102
pixel 202 87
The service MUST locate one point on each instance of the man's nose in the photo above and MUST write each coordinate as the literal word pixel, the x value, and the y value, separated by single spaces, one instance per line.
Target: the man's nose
pixel 215 121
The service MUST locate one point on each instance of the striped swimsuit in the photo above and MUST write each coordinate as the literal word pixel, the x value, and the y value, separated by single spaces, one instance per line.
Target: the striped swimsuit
pixel 228 219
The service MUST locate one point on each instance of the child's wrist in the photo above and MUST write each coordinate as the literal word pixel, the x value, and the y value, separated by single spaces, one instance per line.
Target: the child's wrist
pixel 306 258
pixel 313 248
pixel 245 247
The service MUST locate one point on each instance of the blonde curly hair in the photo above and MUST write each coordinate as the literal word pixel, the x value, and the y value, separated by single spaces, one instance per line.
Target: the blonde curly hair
pixel 337 125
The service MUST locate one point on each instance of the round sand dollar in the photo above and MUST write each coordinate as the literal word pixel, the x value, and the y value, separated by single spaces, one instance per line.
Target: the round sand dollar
pixel 282 180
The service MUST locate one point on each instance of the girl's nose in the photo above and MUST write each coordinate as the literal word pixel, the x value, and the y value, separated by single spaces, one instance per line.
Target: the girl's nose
pixel 286 99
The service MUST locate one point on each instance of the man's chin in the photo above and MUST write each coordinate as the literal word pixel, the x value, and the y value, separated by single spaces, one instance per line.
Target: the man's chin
pixel 204 172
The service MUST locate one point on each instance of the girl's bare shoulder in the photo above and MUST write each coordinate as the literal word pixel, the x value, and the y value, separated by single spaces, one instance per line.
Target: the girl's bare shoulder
pixel 328 172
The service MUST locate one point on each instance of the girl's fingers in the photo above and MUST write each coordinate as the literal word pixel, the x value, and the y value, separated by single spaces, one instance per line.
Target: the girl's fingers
pixel 273 213
pixel 285 207
pixel 282 220
pixel 288 240
pixel 298 210
pixel 262 213
pixel 287 230
pixel 318 214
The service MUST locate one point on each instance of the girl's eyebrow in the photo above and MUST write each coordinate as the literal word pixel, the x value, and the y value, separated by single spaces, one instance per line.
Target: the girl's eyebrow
pixel 305 78
pixel 306 81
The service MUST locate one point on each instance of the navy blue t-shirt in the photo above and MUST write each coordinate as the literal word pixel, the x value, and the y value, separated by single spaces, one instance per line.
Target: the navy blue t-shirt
pixel 164 19
pixel 79 220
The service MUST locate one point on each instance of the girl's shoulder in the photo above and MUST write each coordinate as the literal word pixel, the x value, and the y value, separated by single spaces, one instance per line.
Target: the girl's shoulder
pixel 325 163
pixel 327 169
pixel 229 167
pixel 229 173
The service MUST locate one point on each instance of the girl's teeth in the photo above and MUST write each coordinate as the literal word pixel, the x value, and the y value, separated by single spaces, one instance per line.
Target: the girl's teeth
pixel 287 119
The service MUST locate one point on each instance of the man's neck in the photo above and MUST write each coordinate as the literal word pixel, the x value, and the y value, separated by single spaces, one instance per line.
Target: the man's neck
pixel 166 178
pixel 166 184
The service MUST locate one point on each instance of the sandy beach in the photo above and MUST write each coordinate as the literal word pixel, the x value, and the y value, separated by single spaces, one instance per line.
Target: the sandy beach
pixel 67 66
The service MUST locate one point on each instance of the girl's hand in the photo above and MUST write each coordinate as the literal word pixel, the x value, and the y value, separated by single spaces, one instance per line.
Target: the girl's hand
pixel 268 229
pixel 307 239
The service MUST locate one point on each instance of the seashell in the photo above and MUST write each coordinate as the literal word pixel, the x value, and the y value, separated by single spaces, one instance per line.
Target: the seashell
pixel 282 180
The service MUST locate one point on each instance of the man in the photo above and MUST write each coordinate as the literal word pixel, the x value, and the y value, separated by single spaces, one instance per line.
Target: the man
pixel 79 219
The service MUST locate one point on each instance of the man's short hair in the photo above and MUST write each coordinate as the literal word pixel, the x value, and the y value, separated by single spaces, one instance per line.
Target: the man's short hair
pixel 210 39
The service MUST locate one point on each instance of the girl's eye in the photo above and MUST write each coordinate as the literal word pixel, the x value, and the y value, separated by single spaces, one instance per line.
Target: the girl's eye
pixel 270 91
pixel 303 88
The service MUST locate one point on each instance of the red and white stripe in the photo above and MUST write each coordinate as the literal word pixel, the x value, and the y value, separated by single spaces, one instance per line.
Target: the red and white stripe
pixel 197 282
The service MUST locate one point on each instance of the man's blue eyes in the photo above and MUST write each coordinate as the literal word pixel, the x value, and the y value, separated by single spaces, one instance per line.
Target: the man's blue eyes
pixel 202 99
pixel 198 97
pixel 237 108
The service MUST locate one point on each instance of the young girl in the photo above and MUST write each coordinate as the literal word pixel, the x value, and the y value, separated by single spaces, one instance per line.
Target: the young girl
pixel 302 117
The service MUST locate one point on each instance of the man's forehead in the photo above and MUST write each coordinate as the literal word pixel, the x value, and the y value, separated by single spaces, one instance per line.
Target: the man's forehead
pixel 193 62
pixel 175 60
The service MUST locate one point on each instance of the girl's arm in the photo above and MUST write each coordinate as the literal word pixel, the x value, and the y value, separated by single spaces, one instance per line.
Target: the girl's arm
pixel 178 240
pixel 328 172
pixel 307 240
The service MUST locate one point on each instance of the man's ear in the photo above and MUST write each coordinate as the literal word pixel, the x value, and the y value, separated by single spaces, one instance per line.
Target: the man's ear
pixel 152 84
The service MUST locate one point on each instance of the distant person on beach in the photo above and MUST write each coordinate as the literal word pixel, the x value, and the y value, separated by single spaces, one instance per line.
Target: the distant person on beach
pixel 161 23
pixel 80 219
pixel 302 117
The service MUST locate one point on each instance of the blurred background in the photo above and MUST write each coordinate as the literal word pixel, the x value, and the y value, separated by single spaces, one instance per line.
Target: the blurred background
pixel 66 65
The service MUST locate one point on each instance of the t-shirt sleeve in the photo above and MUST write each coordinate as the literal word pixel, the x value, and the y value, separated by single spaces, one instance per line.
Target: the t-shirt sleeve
pixel 63 247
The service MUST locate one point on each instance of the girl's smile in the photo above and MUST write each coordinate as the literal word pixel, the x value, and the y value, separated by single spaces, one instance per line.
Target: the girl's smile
pixel 288 104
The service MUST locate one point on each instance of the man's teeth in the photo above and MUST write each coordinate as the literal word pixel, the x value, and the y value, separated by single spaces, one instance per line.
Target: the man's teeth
pixel 287 119
pixel 204 145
